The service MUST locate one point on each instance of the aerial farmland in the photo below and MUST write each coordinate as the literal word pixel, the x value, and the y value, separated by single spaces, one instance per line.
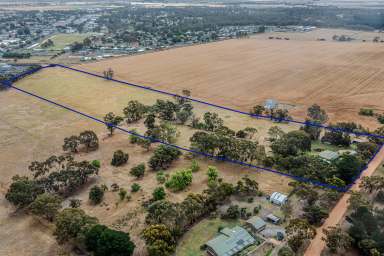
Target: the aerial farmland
pixel 246 144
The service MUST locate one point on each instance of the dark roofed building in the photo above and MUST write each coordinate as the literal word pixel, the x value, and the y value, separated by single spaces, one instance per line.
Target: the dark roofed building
pixel 230 242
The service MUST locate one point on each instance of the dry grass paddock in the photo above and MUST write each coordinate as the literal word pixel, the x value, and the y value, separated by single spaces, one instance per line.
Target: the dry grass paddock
pixel 34 130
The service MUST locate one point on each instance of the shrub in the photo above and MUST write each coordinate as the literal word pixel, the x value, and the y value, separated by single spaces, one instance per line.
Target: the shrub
pixel 380 118
pixel 158 194
pixel 268 161
pixel 179 180
pixel 212 173
pixel 243 213
pixel 122 194
pixel 366 112
pixel 138 170
pixel 119 158
pixel 241 134
pixel 163 157
pixel 194 166
pixel 380 196
pixel 233 212
pixel 96 163
pixel 135 187
pixel 160 177
pixel 75 203
pixel 159 240
pixel 250 200
pixel 104 241
pixel 96 194
pixel 257 209
pixel 285 251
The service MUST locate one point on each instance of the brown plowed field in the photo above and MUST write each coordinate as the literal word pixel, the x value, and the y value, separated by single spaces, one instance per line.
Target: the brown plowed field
pixel 341 77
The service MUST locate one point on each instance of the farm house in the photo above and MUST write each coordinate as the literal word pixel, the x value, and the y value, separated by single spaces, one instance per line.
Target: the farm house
pixel 230 242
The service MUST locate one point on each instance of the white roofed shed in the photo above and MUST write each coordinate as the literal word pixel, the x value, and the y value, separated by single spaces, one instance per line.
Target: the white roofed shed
pixel 278 198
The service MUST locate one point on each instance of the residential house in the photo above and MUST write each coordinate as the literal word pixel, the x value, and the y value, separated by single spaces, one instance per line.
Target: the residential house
pixel 329 155
pixel 230 242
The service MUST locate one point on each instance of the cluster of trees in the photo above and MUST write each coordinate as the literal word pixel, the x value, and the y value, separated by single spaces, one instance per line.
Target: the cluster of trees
pixel 75 226
pixel 367 222
pixel 177 217
pixel 315 208
pixel 290 150
pixel 88 139
pixel 173 219
pixel 16 55
pixel 60 175
pixel 108 73
pixel 227 146
pixel 370 112
pixel 276 114
pixel 337 239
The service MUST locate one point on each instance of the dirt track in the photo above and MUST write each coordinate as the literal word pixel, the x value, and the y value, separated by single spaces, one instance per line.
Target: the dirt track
pixel 342 77
pixel 337 214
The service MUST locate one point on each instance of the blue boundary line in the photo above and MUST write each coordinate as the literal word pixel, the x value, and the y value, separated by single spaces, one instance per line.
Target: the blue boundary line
pixel 222 107
pixel 8 83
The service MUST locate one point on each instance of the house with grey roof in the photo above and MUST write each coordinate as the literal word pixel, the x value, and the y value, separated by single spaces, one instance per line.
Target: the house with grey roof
pixel 256 223
pixel 229 242
pixel 329 155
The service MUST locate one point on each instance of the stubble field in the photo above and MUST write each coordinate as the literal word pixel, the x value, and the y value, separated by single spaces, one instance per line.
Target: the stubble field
pixel 341 77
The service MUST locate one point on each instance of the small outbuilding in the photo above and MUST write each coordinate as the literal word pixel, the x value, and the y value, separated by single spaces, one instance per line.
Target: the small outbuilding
pixel 256 223
pixel 347 152
pixel 357 140
pixel 278 198
pixel 271 104
pixel 329 155
pixel 230 242
pixel 272 218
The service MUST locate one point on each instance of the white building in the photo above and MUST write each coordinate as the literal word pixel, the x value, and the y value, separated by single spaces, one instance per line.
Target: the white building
pixel 278 198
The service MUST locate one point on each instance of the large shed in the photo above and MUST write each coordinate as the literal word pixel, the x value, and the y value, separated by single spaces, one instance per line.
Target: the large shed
pixel 278 198
pixel 256 223
pixel 230 242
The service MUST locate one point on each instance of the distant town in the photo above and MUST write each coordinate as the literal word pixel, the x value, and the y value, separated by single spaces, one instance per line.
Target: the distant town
pixel 97 33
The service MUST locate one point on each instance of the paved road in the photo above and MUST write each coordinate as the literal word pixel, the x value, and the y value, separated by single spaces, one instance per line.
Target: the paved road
pixel 338 212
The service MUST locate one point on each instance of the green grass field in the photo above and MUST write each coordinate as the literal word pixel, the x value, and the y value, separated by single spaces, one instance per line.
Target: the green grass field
pixel 62 40
pixel 202 232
